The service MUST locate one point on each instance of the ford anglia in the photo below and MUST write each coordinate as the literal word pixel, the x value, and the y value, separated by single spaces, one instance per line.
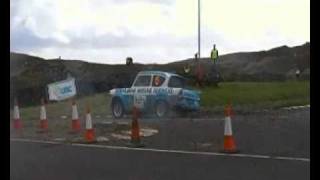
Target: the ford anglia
pixel 157 92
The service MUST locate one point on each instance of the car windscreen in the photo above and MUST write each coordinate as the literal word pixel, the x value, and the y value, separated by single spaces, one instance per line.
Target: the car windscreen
pixel 143 81
pixel 176 82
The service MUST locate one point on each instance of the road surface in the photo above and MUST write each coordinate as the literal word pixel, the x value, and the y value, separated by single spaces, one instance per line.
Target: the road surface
pixel 42 161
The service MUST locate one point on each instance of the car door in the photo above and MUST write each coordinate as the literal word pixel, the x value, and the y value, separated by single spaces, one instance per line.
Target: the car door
pixel 157 84
pixel 142 91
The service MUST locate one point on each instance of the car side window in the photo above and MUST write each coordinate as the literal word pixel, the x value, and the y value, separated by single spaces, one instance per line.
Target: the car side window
pixel 157 81
pixel 176 82
pixel 142 81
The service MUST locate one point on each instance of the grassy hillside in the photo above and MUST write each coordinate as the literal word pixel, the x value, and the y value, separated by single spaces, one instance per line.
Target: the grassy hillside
pixel 30 75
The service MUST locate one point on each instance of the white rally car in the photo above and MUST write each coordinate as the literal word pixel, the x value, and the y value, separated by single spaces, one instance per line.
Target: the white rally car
pixel 157 92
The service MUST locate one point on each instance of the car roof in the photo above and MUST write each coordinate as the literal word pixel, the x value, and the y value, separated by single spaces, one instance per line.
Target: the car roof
pixel 167 74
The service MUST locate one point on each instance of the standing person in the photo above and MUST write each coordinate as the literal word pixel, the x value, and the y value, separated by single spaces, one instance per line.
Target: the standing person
pixel 214 54
pixel 214 57
pixel 129 61
pixel 196 57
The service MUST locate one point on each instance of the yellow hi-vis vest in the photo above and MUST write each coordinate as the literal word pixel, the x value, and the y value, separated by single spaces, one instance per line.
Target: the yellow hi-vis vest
pixel 214 54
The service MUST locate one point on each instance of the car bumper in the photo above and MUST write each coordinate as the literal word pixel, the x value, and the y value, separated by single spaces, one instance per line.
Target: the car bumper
pixel 188 105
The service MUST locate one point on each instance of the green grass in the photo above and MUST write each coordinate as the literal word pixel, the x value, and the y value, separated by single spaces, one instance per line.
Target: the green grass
pixel 257 94
pixel 99 105
pixel 251 95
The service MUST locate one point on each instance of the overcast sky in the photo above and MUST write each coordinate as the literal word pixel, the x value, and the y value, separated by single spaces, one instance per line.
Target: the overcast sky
pixel 153 31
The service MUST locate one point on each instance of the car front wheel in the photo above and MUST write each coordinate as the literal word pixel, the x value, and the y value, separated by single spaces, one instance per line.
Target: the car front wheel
pixel 161 109
pixel 117 109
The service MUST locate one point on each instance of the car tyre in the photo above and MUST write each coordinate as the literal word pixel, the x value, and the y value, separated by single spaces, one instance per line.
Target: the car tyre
pixel 161 109
pixel 117 109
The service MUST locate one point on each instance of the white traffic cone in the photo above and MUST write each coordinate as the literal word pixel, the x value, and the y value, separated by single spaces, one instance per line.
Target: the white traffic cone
pixel 229 144
pixel 75 118
pixel 43 117
pixel 17 123
pixel 89 134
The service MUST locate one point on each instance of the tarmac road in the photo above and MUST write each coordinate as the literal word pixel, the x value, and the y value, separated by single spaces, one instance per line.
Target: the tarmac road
pixel 281 132
pixel 39 161
pixel 278 132
pixel 272 134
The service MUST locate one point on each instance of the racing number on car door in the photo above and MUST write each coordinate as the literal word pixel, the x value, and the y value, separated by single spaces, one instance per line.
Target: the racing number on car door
pixel 139 100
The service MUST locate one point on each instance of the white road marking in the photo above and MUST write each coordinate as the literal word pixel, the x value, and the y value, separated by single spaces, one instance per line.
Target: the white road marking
pixel 166 151
pixel 34 141
pixel 297 107
pixel 151 120
pixel 114 122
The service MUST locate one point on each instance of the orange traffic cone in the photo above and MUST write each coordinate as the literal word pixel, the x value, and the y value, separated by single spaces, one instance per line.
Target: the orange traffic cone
pixel 17 123
pixel 43 118
pixel 75 118
pixel 89 134
pixel 229 144
pixel 135 130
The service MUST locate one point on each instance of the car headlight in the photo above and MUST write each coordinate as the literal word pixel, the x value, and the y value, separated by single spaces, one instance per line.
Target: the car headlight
pixel 112 91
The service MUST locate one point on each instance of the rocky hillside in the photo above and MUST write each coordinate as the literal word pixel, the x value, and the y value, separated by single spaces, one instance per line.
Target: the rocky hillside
pixel 29 75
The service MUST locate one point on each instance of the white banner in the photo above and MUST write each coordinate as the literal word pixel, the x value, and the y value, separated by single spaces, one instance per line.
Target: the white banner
pixel 62 90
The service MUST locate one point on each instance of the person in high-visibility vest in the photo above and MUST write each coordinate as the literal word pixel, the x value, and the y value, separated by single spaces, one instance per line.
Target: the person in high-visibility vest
pixel 214 54
pixel 214 57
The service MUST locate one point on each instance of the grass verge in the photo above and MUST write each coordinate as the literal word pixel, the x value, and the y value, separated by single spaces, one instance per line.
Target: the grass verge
pixel 257 94
pixel 243 95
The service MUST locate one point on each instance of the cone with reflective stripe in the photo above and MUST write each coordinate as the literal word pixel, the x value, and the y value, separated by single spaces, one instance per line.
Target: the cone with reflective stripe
pixel 229 143
pixel 17 123
pixel 75 124
pixel 135 130
pixel 89 134
pixel 43 118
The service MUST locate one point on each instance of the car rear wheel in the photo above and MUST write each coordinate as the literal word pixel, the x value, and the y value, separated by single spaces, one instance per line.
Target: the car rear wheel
pixel 117 109
pixel 161 109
